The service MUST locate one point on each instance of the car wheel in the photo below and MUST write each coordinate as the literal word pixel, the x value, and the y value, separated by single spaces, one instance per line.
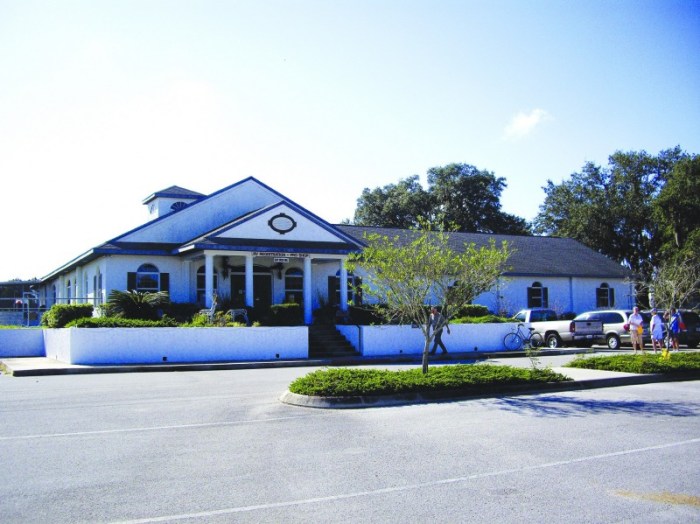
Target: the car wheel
pixel 613 341
pixel 553 341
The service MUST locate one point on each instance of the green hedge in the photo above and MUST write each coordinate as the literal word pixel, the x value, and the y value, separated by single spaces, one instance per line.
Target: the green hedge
pixel 286 315
pixel 60 315
pixel 118 322
pixel 678 363
pixel 344 382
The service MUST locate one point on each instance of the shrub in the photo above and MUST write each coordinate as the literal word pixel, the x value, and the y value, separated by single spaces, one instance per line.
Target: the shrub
pixel 473 310
pixel 344 382
pixel 181 311
pixel 59 315
pixel 677 364
pixel 487 319
pixel 135 304
pixel 119 322
pixel 367 315
pixel 286 315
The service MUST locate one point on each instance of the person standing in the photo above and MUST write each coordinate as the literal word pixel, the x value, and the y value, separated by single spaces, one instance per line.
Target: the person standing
pixel 674 326
pixel 437 323
pixel 656 326
pixel 635 321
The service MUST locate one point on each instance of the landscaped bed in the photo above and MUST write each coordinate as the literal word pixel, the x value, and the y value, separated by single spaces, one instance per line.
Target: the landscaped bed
pixel 471 379
pixel 677 363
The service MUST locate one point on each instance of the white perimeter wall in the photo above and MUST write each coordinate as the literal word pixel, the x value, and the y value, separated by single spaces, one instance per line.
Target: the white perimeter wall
pixel 21 343
pixel 373 341
pixel 96 346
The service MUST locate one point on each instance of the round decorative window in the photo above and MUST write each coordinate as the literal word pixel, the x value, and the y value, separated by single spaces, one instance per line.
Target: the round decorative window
pixel 282 223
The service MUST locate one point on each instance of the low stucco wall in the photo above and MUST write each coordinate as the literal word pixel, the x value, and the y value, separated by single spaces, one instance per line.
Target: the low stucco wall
pixel 157 345
pixel 406 340
pixel 21 343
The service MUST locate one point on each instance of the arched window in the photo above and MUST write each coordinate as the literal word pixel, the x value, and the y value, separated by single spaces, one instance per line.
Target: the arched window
pixel 202 283
pixel 147 279
pixel 294 285
pixel 537 295
pixel 177 206
pixel 604 296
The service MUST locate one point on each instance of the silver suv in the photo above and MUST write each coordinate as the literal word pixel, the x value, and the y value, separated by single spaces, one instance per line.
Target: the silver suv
pixel 614 321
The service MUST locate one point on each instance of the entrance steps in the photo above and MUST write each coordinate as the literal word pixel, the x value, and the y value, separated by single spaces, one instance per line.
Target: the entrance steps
pixel 326 342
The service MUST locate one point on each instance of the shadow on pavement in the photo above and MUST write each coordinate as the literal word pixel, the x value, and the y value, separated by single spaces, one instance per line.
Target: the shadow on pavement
pixel 564 406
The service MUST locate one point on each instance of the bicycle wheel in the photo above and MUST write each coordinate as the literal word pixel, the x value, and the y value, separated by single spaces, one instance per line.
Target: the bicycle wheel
pixel 536 340
pixel 512 341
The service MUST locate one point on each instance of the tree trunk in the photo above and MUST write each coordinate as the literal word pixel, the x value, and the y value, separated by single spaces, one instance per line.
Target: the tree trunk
pixel 426 348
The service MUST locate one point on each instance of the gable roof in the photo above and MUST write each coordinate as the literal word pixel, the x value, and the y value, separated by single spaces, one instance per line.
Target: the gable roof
pixel 534 256
pixel 203 224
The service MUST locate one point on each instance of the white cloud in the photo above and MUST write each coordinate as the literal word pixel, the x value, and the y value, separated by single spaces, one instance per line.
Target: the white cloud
pixel 523 124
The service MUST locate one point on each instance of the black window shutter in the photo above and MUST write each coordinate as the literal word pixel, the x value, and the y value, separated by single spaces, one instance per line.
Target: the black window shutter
pixel 165 282
pixel 545 297
pixel 530 297
pixel 130 281
pixel 612 297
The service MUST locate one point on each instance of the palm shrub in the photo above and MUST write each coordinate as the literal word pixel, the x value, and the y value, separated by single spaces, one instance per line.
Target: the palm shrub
pixel 136 304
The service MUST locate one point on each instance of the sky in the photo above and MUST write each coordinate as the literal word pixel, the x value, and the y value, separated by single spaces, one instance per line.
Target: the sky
pixel 103 103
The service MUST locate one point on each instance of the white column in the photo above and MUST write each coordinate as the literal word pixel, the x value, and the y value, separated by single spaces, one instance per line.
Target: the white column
pixel 343 286
pixel 308 311
pixel 208 279
pixel 191 296
pixel 79 285
pixel 249 291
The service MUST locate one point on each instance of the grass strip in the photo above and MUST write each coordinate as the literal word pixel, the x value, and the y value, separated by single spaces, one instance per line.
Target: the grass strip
pixel 684 363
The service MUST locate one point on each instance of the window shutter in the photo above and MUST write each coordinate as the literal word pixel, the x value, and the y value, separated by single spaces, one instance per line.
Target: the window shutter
pixel 530 297
pixel 612 297
pixel 545 297
pixel 131 281
pixel 165 282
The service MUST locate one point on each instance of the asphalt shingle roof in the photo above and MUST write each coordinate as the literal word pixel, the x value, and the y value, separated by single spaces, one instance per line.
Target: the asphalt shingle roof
pixel 533 255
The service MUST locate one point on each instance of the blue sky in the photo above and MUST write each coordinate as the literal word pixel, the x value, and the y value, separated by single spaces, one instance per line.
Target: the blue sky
pixel 104 102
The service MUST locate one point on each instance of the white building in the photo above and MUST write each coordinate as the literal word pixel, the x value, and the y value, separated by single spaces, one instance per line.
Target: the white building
pixel 254 247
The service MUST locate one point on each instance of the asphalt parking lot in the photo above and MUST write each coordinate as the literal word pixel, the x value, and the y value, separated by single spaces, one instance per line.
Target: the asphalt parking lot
pixel 219 446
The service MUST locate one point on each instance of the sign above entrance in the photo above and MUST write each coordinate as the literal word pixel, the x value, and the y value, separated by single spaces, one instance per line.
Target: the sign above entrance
pixel 279 255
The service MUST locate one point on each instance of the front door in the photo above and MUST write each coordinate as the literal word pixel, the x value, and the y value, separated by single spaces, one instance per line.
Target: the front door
pixel 262 291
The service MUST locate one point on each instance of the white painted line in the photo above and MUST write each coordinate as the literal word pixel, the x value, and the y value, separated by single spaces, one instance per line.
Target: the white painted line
pixel 409 487
pixel 153 428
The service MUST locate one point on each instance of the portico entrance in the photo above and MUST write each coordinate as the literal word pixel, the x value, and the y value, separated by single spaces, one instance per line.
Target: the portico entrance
pixel 262 290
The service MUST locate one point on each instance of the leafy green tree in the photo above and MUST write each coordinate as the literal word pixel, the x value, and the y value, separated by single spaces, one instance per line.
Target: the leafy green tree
pixel 676 283
pixel 135 304
pixel 423 267
pixel 459 196
pixel 677 210
pixel 400 205
pixel 470 199
pixel 610 209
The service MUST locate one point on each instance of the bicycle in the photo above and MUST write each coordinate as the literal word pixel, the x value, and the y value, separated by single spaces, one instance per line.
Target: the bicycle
pixel 519 338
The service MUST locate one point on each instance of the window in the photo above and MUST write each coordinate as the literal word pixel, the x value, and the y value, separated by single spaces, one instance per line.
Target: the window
pixel 68 291
pixel 177 206
pixel 354 290
pixel 147 279
pixel 202 283
pixel 537 295
pixel 294 286
pixel 604 296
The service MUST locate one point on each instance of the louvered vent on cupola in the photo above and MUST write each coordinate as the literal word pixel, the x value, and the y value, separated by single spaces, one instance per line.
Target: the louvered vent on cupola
pixel 170 200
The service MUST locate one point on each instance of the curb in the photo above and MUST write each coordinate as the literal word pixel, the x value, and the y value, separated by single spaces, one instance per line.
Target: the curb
pixel 359 402
pixel 58 368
